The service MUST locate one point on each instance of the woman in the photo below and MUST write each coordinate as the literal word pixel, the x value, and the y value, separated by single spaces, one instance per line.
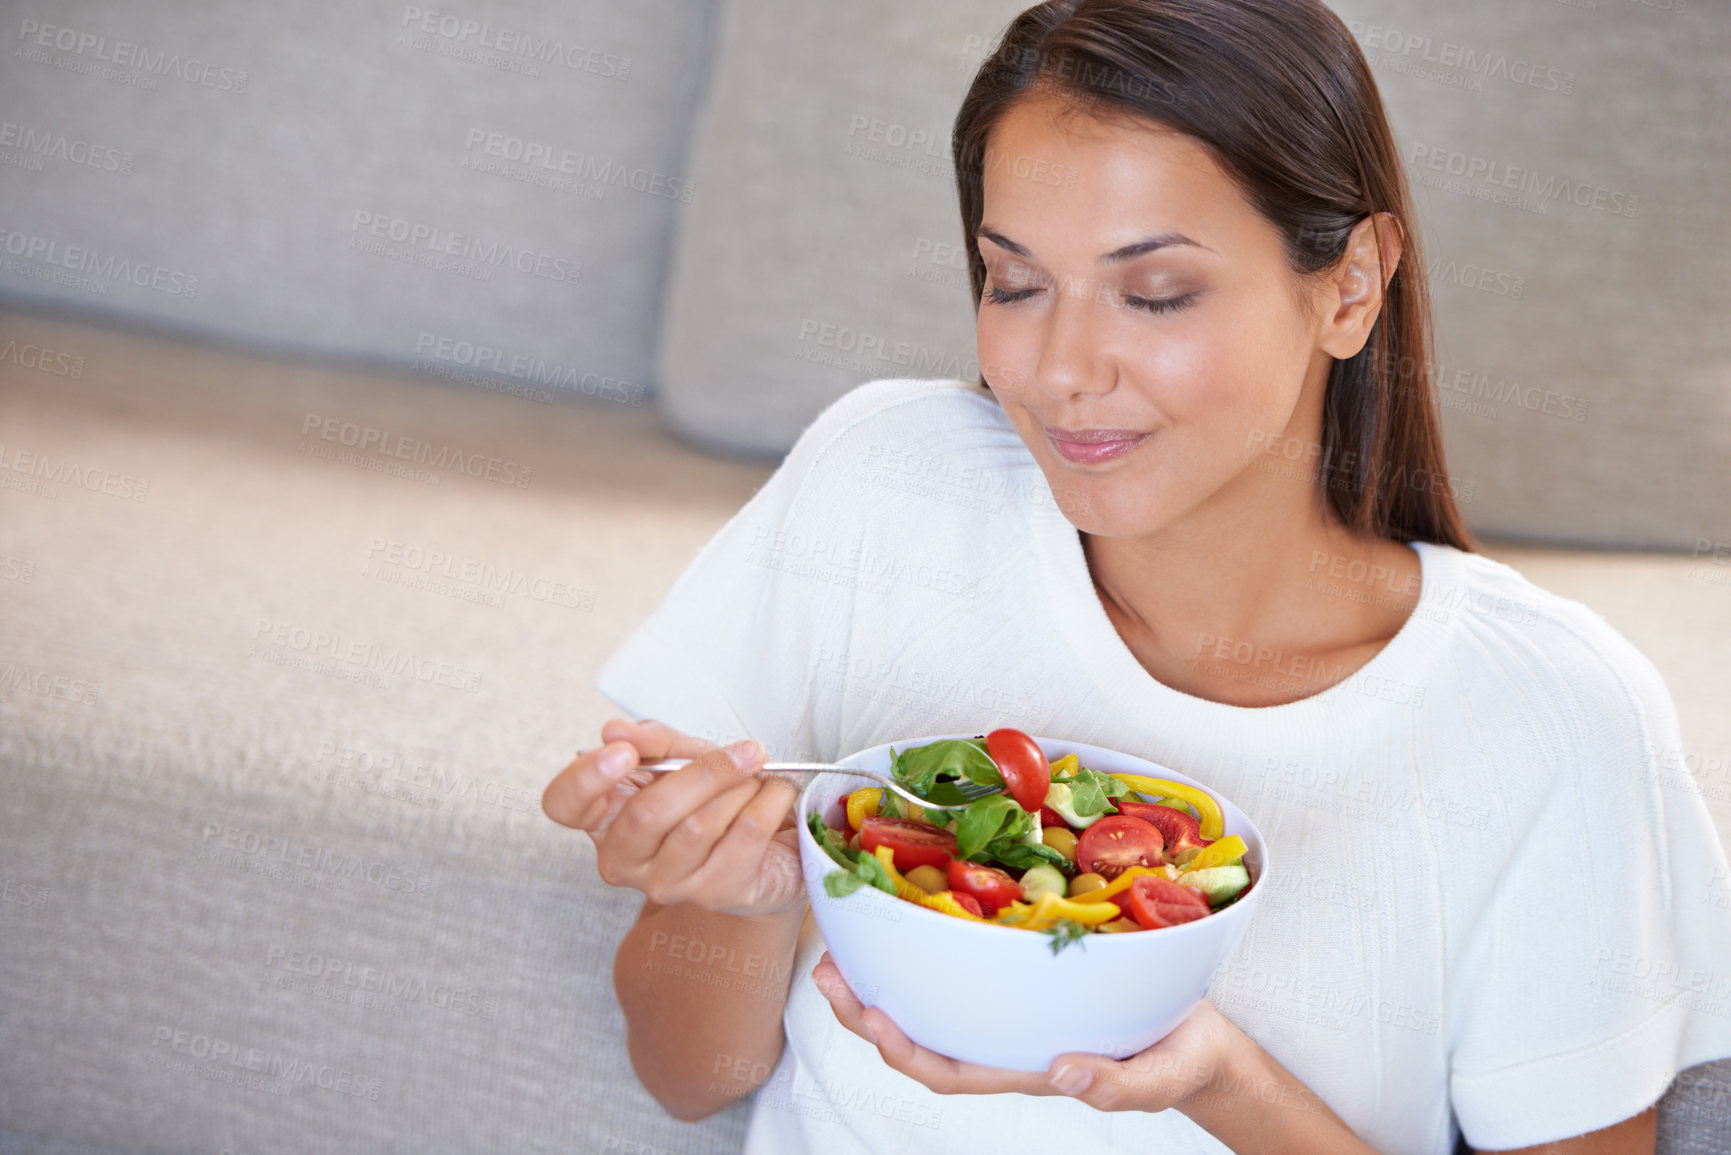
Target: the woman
pixel 1197 509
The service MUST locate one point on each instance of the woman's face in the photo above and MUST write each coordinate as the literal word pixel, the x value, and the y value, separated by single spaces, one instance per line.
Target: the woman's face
pixel 1140 323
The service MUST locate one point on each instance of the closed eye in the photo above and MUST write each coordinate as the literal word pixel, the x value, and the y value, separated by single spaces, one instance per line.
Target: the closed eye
pixel 1150 304
pixel 1160 304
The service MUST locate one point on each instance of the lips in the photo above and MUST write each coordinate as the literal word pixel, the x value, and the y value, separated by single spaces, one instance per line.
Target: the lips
pixel 1089 446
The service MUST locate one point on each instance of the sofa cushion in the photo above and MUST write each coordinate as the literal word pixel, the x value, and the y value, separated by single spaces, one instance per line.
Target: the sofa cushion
pixel 410 184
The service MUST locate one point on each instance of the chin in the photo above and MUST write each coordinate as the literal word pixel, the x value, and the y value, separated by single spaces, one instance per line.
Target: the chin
pixel 1107 510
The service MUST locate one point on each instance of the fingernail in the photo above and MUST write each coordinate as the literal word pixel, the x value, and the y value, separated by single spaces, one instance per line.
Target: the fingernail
pixel 613 761
pixel 745 753
pixel 1072 1080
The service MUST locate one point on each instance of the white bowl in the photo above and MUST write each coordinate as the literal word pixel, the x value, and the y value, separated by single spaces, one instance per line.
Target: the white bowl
pixel 997 995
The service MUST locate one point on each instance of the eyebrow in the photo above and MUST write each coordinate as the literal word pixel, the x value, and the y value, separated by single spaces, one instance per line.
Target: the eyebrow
pixel 1135 249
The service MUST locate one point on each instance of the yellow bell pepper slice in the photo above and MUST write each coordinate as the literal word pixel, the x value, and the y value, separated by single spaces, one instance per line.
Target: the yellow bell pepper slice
pixel 1218 853
pixel 943 902
pixel 1049 908
pixel 1068 766
pixel 863 804
pixel 1212 821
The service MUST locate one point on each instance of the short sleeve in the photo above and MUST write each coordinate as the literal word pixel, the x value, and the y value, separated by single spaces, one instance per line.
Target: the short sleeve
pixel 732 649
pixel 1601 965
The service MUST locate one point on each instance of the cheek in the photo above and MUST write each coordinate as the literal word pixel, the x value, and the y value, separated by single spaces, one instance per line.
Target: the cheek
pixel 1009 351
pixel 1223 376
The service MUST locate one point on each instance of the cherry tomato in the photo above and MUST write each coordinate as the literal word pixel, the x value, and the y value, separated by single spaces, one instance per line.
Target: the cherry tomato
pixel 912 843
pixel 1050 818
pixel 1117 842
pixel 1157 902
pixel 991 886
pixel 1022 764
pixel 1180 829
pixel 970 904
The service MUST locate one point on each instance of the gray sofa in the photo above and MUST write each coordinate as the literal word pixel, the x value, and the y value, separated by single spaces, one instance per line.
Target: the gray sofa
pixel 743 208
pixel 254 905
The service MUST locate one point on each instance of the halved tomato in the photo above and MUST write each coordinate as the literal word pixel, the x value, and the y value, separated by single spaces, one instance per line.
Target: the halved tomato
pixel 970 904
pixel 1117 842
pixel 1022 764
pixel 1157 902
pixel 1181 830
pixel 912 843
pixel 991 886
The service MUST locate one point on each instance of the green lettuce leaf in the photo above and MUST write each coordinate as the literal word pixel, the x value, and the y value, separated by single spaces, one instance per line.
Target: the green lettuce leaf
pixel 919 768
pixel 841 883
pixel 1092 793
pixel 990 820
pixel 858 866
pixel 872 871
pixel 1017 856
pixel 830 840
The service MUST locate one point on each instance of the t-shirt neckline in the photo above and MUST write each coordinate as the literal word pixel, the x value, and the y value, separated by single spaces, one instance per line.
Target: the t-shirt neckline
pixel 1124 681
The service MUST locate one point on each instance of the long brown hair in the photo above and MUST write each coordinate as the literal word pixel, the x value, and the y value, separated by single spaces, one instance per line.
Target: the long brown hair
pixel 1280 93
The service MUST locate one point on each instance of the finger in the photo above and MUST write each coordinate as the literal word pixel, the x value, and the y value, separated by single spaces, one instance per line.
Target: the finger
pixel 643 823
pixel 571 799
pixel 939 1073
pixel 846 1005
pixel 1094 1079
pixel 742 853
pixel 654 740
pixel 577 795
pixel 688 844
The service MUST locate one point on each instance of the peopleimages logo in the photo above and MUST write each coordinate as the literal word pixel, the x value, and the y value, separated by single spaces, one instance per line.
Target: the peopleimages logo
pixel 42 359
pixel 1448 54
pixel 35 144
pixel 581 166
pixel 515 42
pixel 57 471
pixel 464 246
pixel 368 439
pixel 359 653
pixel 239 841
pixel 479 355
pixel 120 53
pixel 271 1064
pixel 84 259
pixel 1529 181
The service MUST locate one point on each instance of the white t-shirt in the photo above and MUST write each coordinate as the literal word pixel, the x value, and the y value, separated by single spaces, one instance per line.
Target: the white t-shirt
pixel 1489 914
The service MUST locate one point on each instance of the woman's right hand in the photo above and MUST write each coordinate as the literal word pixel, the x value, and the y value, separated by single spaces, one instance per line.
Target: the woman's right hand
pixel 712 833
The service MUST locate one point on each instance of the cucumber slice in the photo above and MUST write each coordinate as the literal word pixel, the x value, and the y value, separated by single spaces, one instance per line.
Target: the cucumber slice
pixel 1217 883
pixel 1042 879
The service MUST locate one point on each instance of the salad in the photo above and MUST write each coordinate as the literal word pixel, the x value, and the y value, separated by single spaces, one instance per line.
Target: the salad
pixel 1046 846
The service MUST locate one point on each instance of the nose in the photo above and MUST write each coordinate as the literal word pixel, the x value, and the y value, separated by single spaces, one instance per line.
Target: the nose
pixel 1073 361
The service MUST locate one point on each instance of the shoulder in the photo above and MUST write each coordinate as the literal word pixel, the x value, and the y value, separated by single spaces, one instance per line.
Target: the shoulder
pixel 1568 669
pixel 915 452
pixel 898 412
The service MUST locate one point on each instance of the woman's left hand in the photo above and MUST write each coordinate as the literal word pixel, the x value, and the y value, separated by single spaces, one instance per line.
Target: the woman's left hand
pixel 1185 1062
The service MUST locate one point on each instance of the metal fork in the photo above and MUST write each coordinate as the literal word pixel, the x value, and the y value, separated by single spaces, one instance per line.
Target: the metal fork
pixel 970 791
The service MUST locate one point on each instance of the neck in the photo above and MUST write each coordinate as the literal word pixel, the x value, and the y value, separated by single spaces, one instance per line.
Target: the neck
pixel 1250 572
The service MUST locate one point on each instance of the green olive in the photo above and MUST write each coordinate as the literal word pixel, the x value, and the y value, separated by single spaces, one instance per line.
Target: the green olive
pixel 928 878
pixel 1084 883
pixel 1061 840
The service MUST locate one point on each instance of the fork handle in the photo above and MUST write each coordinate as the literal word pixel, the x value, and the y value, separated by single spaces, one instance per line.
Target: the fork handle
pixel 794 767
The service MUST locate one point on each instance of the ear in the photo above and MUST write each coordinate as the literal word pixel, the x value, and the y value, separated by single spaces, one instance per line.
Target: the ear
pixel 1356 284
